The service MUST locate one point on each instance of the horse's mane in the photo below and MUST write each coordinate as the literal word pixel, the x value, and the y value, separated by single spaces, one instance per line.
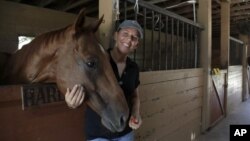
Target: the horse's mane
pixel 45 39
pixel 43 46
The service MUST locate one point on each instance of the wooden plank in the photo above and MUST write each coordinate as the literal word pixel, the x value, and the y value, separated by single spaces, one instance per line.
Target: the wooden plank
pixel 160 76
pixel 166 128
pixel 169 115
pixel 204 17
pixel 10 93
pixel 176 91
pixel 234 87
pixel 189 131
pixel 217 99
pixel 156 90
pixel 106 8
pixel 169 102
pixel 225 33
pixel 50 122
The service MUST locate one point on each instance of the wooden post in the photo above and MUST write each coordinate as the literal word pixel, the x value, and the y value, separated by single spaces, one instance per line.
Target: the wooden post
pixel 225 44
pixel 204 17
pixel 225 34
pixel 106 29
pixel 248 50
pixel 245 92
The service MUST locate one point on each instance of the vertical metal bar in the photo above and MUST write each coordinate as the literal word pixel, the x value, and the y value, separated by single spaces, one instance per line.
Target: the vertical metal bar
pixel 177 44
pixel 230 51
pixel 159 42
pixel 125 9
pixel 144 37
pixel 172 43
pixel 196 48
pixel 186 42
pixel 135 52
pixel 152 41
pixel 182 45
pixel 187 48
pixel 166 42
pixel 191 47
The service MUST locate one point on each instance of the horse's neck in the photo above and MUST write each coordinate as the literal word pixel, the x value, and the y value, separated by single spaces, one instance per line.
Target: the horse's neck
pixel 44 65
pixel 35 63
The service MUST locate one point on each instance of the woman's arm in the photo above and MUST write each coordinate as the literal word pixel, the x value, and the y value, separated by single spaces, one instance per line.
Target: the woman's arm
pixel 135 119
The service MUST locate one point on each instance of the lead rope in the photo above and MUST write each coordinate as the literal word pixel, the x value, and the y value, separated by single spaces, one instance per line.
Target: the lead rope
pixel 116 9
pixel 136 7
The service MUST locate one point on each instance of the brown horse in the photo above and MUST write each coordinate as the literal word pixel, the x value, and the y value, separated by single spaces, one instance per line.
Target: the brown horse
pixel 69 56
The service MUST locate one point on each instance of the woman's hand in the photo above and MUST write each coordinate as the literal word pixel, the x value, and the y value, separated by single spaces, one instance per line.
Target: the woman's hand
pixel 135 122
pixel 75 97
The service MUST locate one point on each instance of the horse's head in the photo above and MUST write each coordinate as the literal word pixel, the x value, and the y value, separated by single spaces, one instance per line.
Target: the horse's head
pixel 84 61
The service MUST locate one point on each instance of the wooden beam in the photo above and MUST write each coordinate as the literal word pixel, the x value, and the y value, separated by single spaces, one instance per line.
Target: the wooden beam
pixel 157 1
pixel 245 92
pixel 204 17
pixel 46 3
pixel 225 43
pixel 106 29
pixel 225 0
pixel 238 1
pixel 240 7
pixel 217 1
pixel 225 34
pixel 75 4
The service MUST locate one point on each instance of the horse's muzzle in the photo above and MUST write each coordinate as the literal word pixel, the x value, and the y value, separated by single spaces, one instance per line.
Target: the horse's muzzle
pixel 115 121
pixel 116 125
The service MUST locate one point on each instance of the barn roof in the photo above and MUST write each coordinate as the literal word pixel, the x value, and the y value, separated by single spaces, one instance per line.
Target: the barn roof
pixel 239 14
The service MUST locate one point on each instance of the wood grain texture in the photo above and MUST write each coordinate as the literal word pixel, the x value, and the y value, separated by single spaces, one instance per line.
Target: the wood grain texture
pixel 170 104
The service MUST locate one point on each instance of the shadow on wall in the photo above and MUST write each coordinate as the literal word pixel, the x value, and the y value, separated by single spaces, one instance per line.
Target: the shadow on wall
pixel 248 60
pixel 3 58
pixel 244 27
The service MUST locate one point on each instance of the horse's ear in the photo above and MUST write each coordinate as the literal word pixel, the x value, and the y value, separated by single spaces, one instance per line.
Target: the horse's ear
pixel 97 24
pixel 80 20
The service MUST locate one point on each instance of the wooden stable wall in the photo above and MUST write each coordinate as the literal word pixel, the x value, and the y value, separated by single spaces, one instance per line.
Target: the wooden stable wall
pixel 217 98
pixel 234 95
pixel 171 105
pixel 44 122
pixel 18 19
pixel 224 102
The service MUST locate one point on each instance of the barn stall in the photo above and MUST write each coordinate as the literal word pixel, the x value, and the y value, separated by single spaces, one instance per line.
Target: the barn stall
pixel 175 81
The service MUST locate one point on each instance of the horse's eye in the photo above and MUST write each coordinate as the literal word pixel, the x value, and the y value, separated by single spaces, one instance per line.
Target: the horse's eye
pixel 91 64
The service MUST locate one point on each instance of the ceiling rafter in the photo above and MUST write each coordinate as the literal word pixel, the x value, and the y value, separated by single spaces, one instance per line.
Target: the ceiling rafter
pixel 46 3
pixel 76 4
pixel 240 9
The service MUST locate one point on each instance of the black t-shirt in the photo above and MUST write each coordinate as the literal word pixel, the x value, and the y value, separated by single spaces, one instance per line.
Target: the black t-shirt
pixel 129 81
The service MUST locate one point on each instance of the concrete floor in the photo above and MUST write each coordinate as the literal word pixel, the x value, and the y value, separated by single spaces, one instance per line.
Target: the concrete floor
pixel 240 115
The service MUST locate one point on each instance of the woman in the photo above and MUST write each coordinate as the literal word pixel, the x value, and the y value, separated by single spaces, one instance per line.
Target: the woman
pixel 126 40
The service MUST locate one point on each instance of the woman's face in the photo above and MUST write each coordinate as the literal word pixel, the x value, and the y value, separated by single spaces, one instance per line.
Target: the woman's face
pixel 127 40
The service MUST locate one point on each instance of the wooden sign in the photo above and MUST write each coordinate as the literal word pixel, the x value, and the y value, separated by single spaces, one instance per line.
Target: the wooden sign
pixel 40 94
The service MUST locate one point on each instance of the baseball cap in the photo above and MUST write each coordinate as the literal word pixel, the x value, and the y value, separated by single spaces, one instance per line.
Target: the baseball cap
pixel 131 24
